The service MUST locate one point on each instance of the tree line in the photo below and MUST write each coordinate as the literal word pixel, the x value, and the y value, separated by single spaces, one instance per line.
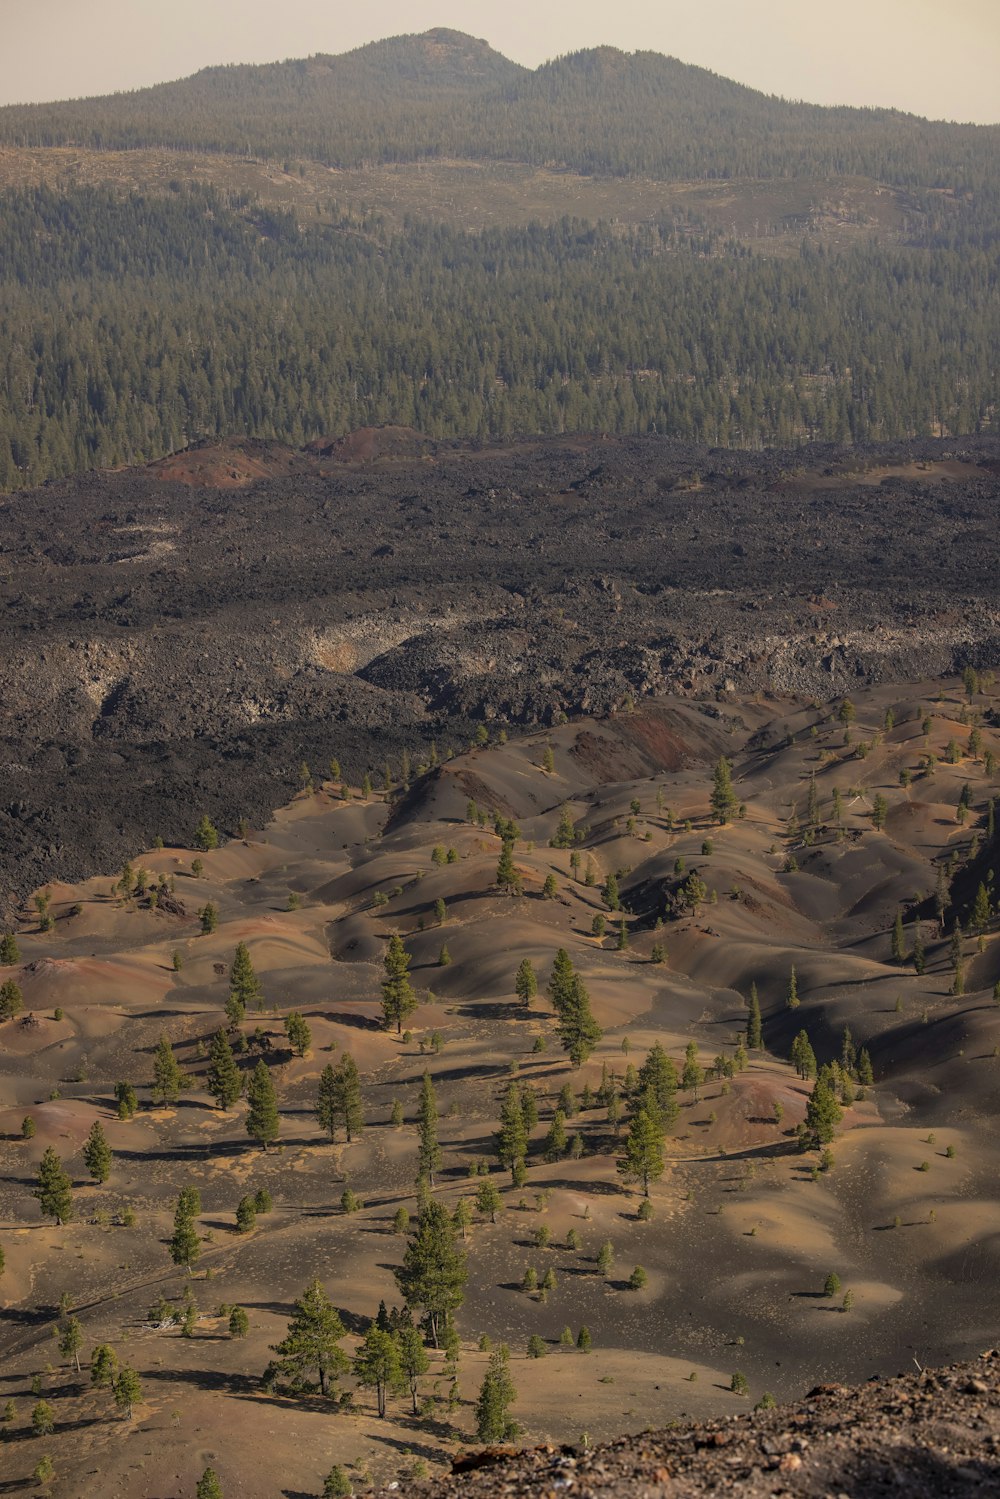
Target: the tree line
pixel 130 326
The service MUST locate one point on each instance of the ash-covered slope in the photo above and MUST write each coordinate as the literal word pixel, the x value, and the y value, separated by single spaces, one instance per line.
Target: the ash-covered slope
pixel 925 1435
pixel 167 648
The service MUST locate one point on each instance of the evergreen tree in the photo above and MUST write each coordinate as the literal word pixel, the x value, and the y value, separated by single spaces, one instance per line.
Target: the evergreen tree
pixel 54 1190
pixel 103 1365
pixel 312 1341
pixel 126 1099
pixel 298 1033
pixel 208 1486
pixel 11 1000
pixel 223 1079
pixel 792 998
pixel 206 837
pixel 262 1122
pixel 209 918
pixel 610 893
pixel 803 1056
pixel 555 1140
pixel 693 1075
pixel 512 1136
pixel 643 1160
pixel 488 1199
pixel 507 879
pixel 579 1032
pixel 413 1360
pixel 246 1214
pixel 866 1076
pixel 919 956
pixel 71 1340
pixel 981 910
pixel 245 990
pixel 339 1100
pixel 496 1395
pixel 168 1080
pixel 128 1391
pixel 823 1114
pixel 185 1245
pixel 658 1078
pixel 429 1151
pixel 525 982
pixel 377 1365
pixel 9 951
pixel 561 981
pixel 398 998
pixel 97 1155
pixel 433 1272
pixel 724 799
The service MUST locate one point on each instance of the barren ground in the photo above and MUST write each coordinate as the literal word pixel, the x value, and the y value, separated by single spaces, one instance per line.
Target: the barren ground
pixel 745 1229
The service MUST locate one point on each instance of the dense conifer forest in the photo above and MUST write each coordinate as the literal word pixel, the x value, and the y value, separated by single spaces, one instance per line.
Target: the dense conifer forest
pixel 134 323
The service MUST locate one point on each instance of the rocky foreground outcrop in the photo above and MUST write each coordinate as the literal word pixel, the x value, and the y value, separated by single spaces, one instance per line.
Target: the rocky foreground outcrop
pixel 927 1435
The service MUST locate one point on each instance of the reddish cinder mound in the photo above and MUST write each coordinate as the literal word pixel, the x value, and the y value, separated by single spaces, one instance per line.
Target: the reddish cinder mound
pixel 226 465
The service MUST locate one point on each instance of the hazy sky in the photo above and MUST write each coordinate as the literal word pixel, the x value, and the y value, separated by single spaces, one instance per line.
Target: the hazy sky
pixel 934 57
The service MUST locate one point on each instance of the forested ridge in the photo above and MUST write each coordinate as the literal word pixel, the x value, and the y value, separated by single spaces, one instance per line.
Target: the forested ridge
pixel 134 322
pixel 446 95
pixel 133 325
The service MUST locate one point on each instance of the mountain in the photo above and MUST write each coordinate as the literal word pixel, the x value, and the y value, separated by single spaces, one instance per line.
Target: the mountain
pixel 446 94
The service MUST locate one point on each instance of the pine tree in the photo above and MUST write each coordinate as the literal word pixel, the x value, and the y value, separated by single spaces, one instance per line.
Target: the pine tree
pixel 433 1272
pixel 643 1159
pixel 97 1155
pixel 525 982
pixel 206 837
pixel 507 879
pixel 579 1032
pixel 803 1056
pixel 312 1341
pixel 208 1486
pixel 185 1245
pixel 693 1075
pixel 223 1079
pixel 262 1122
pixel 792 998
pixel 298 1033
pixel 981 910
pixel 326 1101
pixel 555 1140
pixel 103 1365
pixel 127 1100
pixel 563 977
pixel 512 1136
pixel 71 1340
pixel 657 1080
pixel 398 998
pixel 168 1080
pixel 496 1395
pixel 488 1199
pixel 755 1029
pixel 564 836
pixel 128 1391
pixel 429 1151
pixel 919 956
pixel 245 990
pixel 610 893
pixel 340 1098
pixel 413 1360
pixel 866 1076
pixel 9 951
pixel 377 1366
pixel 54 1190
pixel 724 799
pixel 823 1114
pixel 11 1000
